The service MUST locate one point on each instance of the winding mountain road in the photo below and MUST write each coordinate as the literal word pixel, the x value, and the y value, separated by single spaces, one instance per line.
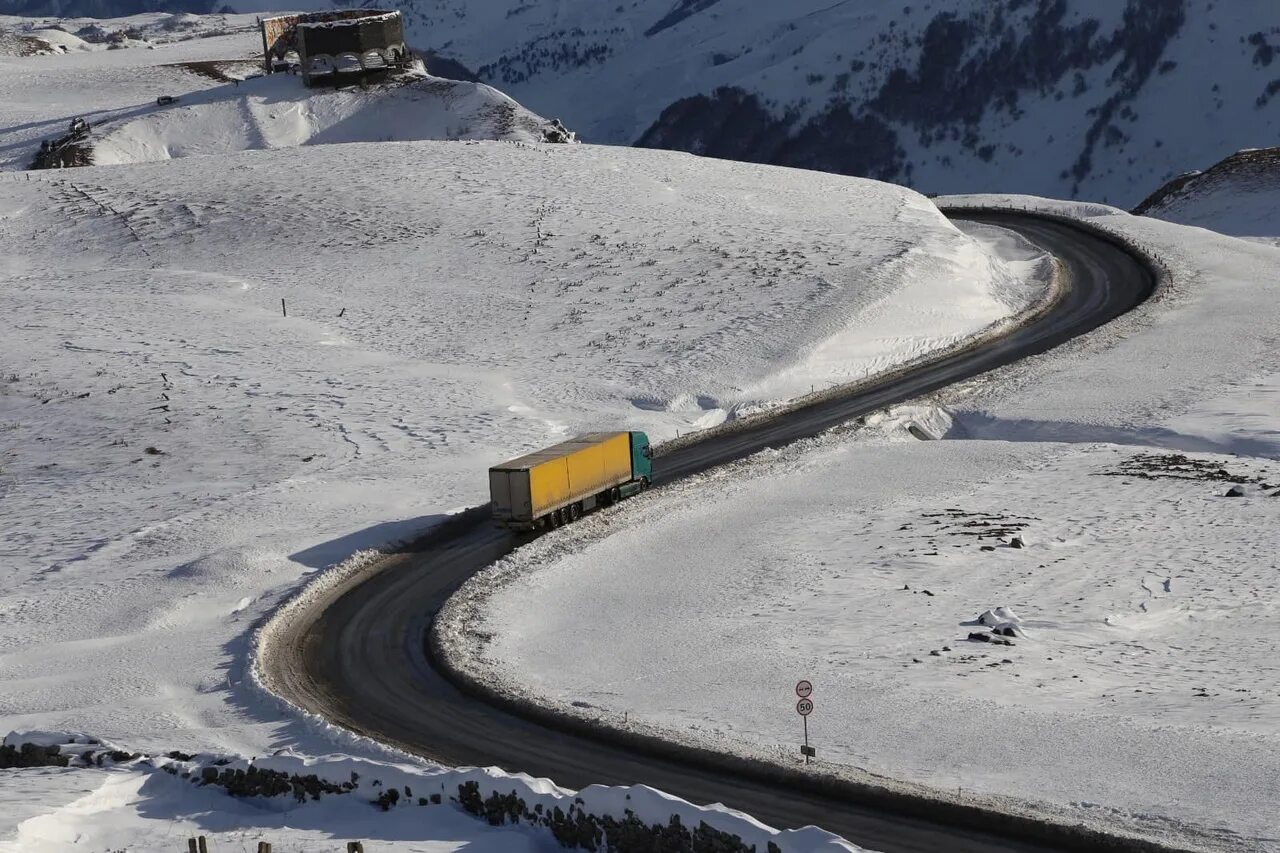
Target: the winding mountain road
pixel 357 655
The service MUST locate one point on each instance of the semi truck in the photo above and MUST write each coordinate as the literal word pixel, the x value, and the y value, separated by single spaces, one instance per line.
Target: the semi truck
pixel 557 485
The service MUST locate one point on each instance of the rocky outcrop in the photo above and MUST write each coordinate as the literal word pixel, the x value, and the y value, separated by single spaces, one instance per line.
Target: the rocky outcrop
pixel 1250 167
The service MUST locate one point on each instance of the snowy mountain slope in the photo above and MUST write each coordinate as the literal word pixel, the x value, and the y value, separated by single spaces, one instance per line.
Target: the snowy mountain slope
pixel 99 8
pixel 276 111
pixel 148 29
pixel 1097 99
pixel 179 454
pixel 220 111
pixel 41 95
pixel 1138 690
pixel 1239 196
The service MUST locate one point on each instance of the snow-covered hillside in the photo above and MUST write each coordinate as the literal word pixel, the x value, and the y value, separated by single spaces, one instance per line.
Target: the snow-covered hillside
pixel 224 103
pixel 278 112
pixel 226 373
pixel 1239 196
pixel 1137 687
pixel 41 95
pixel 180 455
pixel 1097 99
pixel 20 36
pixel 1093 99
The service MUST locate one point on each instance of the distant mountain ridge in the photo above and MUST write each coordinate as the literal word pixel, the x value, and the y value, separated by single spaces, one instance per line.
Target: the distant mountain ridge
pixel 1238 196
pixel 1097 99
pixel 100 8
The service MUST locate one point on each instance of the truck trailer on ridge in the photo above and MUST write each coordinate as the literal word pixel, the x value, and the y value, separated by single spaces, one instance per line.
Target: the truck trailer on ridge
pixel 555 486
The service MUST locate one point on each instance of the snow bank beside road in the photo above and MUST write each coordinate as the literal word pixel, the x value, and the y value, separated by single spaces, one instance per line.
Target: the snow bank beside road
pixel 1144 660
pixel 151 803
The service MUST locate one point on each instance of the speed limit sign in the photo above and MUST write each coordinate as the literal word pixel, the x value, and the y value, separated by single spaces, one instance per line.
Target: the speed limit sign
pixel 804 708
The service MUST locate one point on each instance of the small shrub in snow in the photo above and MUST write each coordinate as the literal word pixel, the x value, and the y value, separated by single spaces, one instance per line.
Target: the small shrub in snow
pixel 579 829
pixel 31 755
pixel 261 782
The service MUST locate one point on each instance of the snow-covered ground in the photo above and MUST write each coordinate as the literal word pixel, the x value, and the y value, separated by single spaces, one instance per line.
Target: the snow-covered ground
pixel 157 802
pixel 276 111
pixel 1092 99
pixel 1095 99
pixel 179 455
pixel 41 95
pixel 146 30
pixel 224 103
pixel 1239 196
pixel 1139 689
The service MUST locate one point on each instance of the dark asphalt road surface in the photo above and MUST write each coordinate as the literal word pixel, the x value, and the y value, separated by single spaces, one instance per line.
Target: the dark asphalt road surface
pixel 361 663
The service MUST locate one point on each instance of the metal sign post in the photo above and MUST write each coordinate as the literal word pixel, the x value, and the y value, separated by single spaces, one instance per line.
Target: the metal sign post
pixel 804 708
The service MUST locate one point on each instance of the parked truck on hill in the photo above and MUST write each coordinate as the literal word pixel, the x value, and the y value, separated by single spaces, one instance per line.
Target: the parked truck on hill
pixel 557 485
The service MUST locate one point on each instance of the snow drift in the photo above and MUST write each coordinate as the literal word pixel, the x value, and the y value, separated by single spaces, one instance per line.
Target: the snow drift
pixel 151 802
pixel 278 112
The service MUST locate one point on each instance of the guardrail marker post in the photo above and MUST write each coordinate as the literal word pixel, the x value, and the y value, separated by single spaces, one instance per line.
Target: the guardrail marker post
pixel 283 310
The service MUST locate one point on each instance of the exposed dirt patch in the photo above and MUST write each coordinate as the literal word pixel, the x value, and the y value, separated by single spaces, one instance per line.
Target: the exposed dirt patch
pixel 221 70
pixel 981 525
pixel 1175 466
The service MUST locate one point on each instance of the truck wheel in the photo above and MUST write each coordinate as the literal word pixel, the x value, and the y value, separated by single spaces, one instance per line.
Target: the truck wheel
pixel 575 512
pixel 616 495
pixel 553 520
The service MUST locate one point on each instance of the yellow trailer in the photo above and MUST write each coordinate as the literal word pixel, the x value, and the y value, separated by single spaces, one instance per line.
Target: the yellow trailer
pixel 556 485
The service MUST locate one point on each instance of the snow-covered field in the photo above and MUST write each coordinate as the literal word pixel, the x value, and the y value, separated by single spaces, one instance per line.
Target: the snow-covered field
pixel 224 103
pixel 55 36
pixel 276 111
pixel 179 455
pixel 41 95
pixel 1139 689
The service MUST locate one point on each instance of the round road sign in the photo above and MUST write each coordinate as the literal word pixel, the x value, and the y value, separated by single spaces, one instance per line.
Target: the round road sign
pixel 804 690
pixel 804 707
